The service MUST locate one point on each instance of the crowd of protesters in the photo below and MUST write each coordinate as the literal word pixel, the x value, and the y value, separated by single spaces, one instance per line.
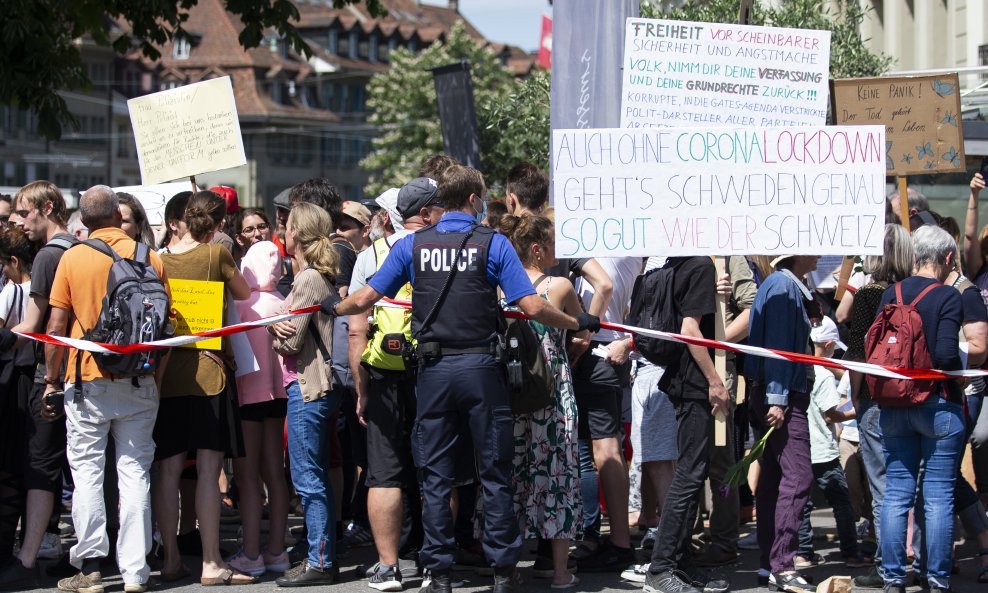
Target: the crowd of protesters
pixel 404 429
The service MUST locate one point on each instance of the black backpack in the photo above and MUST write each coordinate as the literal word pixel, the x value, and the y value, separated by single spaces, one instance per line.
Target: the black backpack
pixel 531 378
pixel 653 306
pixel 135 309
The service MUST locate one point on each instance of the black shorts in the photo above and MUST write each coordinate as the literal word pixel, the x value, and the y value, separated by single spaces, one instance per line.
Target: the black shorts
pixel 191 422
pixel 390 416
pixel 45 446
pixel 261 411
pixel 598 392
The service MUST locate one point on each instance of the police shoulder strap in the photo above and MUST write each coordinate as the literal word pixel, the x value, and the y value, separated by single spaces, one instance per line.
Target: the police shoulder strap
pixel 446 285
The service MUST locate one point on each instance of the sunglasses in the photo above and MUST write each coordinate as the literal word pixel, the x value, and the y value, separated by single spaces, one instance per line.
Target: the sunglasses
pixel 250 229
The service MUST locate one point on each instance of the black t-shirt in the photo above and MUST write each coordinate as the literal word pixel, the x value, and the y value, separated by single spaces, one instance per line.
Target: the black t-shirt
pixel 695 291
pixel 42 278
pixel 973 305
pixel 571 267
pixel 348 258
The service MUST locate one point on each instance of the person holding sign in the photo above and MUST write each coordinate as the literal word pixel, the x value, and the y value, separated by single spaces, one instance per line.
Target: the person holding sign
pixel 779 399
pixel 198 394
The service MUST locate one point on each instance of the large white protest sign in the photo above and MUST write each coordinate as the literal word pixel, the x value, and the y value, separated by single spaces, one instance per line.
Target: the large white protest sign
pixel 681 73
pixel 187 131
pixel 719 191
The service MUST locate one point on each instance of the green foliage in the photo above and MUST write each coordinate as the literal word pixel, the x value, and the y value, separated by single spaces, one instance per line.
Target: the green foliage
pixel 849 56
pixel 521 125
pixel 41 54
pixel 403 101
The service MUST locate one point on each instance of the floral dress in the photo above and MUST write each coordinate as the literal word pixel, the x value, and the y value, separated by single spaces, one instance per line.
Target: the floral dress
pixel 546 469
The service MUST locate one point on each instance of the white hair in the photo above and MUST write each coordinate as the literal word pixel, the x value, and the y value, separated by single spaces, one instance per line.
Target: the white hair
pixel 932 245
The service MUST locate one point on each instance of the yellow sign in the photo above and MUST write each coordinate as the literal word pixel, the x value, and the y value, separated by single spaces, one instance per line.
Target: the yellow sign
pixel 186 131
pixel 197 306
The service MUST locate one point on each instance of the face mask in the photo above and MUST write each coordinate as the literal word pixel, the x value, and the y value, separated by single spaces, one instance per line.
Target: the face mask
pixel 482 213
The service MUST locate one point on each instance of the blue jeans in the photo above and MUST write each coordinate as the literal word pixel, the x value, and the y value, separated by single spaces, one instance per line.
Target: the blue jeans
pixel 308 451
pixel 590 490
pixel 931 434
pixel 873 457
pixel 830 479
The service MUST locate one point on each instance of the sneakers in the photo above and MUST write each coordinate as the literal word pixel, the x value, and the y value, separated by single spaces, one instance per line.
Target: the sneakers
pixel 14 576
pixel 858 561
pixel 607 558
pixel 82 583
pixel 427 579
pixel 138 587
pixel 716 556
pixel 635 573
pixel 810 561
pixel 748 542
pixel 305 575
pixel 668 582
pixel 275 563
pixel 872 580
pixel 702 580
pixel 790 582
pixel 255 567
pixel 385 578
pixel 648 540
pixel 51 547
pixel 357 536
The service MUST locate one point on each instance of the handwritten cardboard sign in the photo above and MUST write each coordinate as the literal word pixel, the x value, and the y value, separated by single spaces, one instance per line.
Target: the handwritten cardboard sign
pixel 197 306
pixel 681 73
pixel 719 191
pixel 187 131
pixel 921 115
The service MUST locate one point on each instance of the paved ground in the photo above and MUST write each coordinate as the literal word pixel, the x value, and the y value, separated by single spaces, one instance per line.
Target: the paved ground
pixel 741 575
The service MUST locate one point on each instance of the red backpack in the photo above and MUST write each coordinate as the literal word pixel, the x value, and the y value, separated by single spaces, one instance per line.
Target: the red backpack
pixel 896 340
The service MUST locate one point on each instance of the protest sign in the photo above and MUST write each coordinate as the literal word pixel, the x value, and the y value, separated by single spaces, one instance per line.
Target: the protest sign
pixel 153 198
pixel 827 271
pixel 197 306
pixel 719 191
pixel 681 73
pixel 921 115
pixel 187 131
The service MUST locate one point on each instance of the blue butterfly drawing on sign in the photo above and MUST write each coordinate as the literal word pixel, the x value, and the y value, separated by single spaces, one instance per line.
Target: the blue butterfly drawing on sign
pixel 949 119
pixel 929 165
pixel 943 88
pixel 924 150
pixel 907 158
pixel 952 156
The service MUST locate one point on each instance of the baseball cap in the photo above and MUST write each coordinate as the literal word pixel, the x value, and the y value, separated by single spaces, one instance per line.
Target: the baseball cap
pixel 229 195
pixel 827 332
pixel 389 201
pixel 357 211
pixel 417 194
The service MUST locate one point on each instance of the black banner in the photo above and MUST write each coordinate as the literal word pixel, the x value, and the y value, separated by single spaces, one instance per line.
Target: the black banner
pixel 457 114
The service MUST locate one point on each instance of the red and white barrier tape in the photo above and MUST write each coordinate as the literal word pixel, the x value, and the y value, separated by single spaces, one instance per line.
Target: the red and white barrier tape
pixel 861 367
pixel 89 346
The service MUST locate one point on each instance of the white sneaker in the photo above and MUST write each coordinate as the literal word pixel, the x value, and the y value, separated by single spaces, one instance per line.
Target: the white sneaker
pixel 51 547
pixel 635 573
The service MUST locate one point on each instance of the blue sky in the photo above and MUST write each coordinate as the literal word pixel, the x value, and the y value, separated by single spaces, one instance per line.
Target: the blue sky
pixel 517 22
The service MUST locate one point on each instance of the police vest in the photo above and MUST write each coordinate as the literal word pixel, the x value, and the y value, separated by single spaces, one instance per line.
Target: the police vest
pixel 392 326
pixel 469 314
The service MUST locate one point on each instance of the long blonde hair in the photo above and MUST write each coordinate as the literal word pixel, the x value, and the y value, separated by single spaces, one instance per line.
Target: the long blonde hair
pixel 312 226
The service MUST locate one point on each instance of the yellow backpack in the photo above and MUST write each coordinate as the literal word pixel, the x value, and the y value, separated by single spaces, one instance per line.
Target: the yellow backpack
pixel 391 328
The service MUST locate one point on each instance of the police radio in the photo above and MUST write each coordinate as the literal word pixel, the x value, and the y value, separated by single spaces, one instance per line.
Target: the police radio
pixel 515 379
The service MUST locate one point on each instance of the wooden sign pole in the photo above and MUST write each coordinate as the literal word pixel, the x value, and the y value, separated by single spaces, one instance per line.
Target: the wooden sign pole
pixel 192 178
pixel 720 355
pixel 846 267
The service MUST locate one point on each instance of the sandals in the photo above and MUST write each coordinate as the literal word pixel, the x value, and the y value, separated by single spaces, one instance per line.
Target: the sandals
pixel 228 576
pixel 178 575
pixel 573 581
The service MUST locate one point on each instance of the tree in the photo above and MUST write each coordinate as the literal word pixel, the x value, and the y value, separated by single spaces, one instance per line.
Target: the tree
pixel 521 124
pixel 849 56
pixel 403 101
pixel 41 55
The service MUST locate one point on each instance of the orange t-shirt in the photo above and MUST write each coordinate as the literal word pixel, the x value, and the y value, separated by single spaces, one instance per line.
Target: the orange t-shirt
pixel 80 285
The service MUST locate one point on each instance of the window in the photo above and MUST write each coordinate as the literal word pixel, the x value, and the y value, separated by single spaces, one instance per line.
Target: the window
pixel 123 142
pixel 334 41
pixel 372 56
pixel 343 45
pixel 181 48
pixel 352 54
pixel 363 48
pixel 384 50
pixel 170 84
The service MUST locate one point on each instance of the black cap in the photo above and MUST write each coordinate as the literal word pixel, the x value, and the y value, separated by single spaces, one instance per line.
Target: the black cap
pixel 417 194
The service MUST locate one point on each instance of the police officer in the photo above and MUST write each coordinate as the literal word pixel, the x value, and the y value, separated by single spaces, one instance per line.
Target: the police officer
pixel 455 268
